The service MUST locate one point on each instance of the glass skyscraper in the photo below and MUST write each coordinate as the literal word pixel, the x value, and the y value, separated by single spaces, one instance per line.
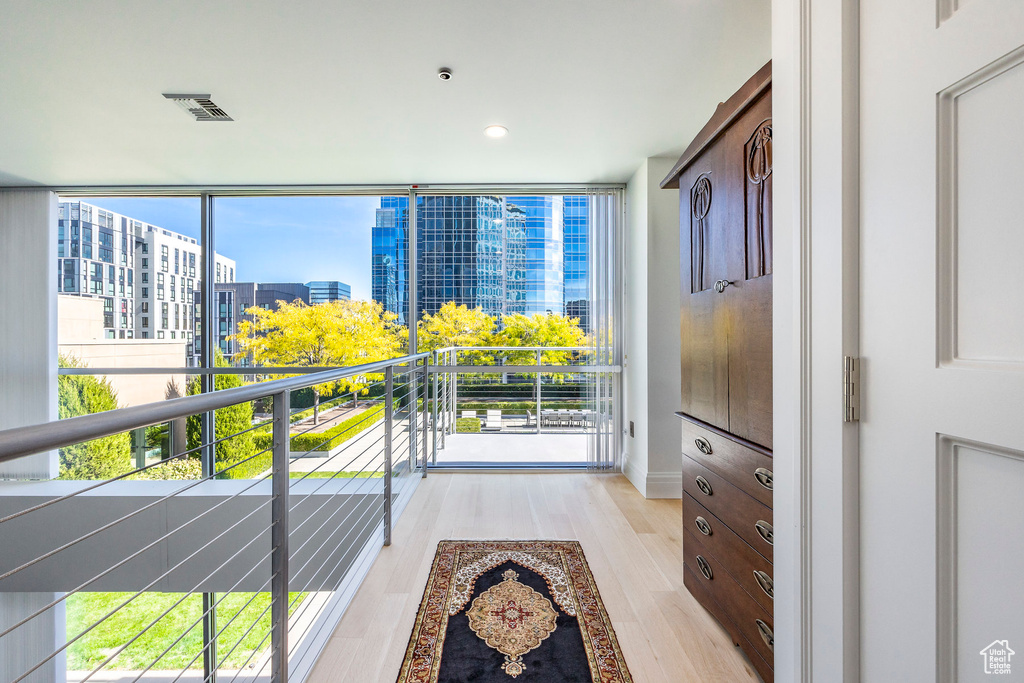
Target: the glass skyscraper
pixel 576 237
pixel 502 254
pixel 389 256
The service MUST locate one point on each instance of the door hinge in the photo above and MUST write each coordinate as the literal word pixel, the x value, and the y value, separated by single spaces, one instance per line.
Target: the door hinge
pixel 851 389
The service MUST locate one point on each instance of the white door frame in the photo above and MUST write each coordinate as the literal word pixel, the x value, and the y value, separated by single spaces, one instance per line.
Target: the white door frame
pixel 816 311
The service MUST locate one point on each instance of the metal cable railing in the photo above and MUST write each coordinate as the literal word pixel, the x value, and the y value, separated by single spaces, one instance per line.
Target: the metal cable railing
pixel 289 529
pixel 523 390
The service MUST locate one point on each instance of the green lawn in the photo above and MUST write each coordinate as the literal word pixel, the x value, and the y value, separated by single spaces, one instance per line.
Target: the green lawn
pixel 94 648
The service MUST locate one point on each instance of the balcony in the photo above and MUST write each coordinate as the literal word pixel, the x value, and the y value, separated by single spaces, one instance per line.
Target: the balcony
pixel 238 564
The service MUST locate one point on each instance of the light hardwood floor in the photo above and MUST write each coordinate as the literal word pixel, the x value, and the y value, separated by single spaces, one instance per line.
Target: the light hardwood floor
pixel 633 546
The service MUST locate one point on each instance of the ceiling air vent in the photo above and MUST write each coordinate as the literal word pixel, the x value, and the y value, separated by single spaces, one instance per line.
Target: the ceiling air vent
pixel 200 106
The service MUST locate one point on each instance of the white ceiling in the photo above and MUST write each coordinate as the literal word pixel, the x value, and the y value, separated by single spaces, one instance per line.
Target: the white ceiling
pixel 346 91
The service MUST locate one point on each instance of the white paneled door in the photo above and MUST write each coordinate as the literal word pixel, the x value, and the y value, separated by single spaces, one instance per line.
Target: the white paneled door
pixel 942 324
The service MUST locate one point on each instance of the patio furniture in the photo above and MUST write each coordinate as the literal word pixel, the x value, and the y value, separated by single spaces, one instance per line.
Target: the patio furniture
pixel 493 421
pixel 530 422
pixel 469 414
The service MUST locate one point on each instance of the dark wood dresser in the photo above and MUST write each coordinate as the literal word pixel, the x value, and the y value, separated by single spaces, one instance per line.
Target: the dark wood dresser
pixel 725 192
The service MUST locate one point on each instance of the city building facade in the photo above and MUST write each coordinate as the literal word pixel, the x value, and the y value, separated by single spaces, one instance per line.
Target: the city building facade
pixel 233 299
pixel 324 291
pixel 148 278
pixel 504 255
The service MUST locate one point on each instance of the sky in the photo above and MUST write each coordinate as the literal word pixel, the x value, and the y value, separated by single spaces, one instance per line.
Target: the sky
pixel 274 239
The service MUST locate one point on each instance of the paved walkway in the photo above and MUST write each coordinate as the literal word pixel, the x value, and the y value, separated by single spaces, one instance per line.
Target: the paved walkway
pixel 330 417
pixel 504 448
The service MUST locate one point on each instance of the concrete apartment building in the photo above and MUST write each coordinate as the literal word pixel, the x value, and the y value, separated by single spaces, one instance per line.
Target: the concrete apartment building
pixel 145 275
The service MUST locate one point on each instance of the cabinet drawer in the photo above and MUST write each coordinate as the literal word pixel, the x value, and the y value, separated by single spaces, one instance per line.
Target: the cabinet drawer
pixel 736 509
pixel 749 568
pixel 696 588
pixel 744 465
pixel 751 620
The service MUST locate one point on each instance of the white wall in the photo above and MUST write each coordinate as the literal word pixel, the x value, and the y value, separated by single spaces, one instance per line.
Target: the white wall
pixel 651 374
pixel 28 319
pixel 28 377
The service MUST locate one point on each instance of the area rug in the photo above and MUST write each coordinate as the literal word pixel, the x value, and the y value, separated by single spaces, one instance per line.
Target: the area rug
pixel 512 612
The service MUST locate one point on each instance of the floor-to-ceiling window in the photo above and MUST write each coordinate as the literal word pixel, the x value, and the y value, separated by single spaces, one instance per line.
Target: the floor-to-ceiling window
pixel 174 295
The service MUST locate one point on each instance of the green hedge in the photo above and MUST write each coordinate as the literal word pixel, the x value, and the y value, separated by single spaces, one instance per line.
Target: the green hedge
pixel 467 425
pixel 521 406
pixel 301 443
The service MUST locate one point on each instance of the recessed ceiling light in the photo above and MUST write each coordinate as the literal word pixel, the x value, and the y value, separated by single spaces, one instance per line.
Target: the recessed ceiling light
pixel 495 131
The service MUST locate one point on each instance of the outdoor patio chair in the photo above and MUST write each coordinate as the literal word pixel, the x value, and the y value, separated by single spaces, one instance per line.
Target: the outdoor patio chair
pixel 493 421
pixel 468 414
pixel 530 422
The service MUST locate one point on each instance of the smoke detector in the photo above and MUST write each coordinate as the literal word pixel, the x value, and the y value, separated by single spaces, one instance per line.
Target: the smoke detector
pixel 444 73
pixel 199 106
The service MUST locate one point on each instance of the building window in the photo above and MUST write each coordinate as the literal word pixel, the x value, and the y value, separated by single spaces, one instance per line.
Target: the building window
pixel 145 307
pixel 145 249
pixel 145 292
pixel 108 313
pixel 145 323
pixel 159 334
pixel 145 262
pixel 144 335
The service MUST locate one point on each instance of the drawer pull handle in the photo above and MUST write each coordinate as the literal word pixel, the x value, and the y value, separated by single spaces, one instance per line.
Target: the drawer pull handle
pixel 765 531
pixel 766 634
pixel 765 582
pixel 764 477
pixel 704 486
pixel 703 445
pixel 703 526
pixel 705 568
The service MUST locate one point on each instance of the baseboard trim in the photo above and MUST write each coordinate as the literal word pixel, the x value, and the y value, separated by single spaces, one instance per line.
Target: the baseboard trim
pixel 634 470
pixel 664 485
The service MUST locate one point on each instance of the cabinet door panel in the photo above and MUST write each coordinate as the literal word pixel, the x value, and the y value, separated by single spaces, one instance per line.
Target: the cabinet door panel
pixel 750 360
pixel 703 325
pixel 748 301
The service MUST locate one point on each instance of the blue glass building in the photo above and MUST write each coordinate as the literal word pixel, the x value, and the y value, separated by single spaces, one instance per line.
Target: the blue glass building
pixel 324 291
pixel 502 254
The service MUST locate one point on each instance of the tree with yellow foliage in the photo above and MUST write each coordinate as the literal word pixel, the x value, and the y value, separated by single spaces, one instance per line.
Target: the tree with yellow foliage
pixel 540 329
pixel 332 334
pixel 455 325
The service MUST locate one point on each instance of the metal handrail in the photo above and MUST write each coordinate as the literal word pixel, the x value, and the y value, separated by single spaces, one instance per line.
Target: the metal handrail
pixel 515 348
pixel 22 441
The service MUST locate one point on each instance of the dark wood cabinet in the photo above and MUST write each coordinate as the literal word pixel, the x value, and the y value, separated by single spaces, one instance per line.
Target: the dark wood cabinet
pixel 725 193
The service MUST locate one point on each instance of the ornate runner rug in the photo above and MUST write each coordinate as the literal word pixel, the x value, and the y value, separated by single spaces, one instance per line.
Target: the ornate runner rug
pixel 512 612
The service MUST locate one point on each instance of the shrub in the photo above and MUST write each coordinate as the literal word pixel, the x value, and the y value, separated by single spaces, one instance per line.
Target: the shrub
pixel 179 468
pixel 519 406
pixel 103 458
pixel 229 420
pixel 467 425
